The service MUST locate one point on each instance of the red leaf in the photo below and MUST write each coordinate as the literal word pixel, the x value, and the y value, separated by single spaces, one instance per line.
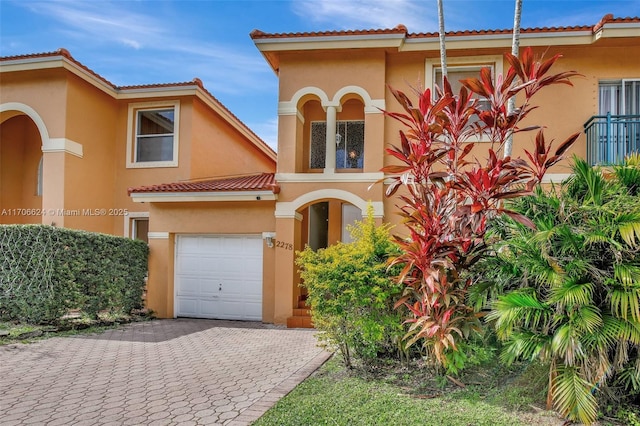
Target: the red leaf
pixel 520 218
pixel 567 144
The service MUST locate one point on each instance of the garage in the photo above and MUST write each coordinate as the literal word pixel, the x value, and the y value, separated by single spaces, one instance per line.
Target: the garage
pixel 219 277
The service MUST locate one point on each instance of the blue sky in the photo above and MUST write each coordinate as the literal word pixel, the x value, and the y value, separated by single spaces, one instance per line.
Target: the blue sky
pixel 152 41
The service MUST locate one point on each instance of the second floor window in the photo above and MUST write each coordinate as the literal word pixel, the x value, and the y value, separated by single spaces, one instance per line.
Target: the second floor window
pixel 154 135
pixel 349 141
pixel 454 75
pixel 619 97
pixel 153 130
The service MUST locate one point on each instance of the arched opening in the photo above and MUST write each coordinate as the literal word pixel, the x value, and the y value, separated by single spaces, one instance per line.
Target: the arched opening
pixel 350 147
pixel 324 223
pixel 20 170
pixel 313 144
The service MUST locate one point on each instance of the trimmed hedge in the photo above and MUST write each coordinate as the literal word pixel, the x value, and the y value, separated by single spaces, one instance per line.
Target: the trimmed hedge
pixel 47 271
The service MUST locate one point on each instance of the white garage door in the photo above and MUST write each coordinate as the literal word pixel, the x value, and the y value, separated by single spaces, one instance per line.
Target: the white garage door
pixel 219 276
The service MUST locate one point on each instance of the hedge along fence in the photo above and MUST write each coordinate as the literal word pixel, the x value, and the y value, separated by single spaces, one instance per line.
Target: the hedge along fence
pixel 47 271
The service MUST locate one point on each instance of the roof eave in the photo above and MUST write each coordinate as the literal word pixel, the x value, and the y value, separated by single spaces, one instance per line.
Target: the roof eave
pixel 277 44
pixel 618 29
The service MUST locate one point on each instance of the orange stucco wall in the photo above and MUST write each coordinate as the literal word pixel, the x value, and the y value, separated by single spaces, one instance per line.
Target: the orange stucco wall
pixel 220 150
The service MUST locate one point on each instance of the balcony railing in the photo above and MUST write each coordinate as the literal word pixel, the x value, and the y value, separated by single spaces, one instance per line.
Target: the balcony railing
pixel 611 137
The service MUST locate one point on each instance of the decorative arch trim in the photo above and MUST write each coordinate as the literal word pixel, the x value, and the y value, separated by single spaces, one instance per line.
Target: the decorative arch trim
pixel 32 114
pixel 371 106
pixel 291 107
pixel 48 144
pixel 289 209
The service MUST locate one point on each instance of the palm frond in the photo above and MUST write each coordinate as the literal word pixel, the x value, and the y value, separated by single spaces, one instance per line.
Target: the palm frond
pixel 628 225
pixel 525 345
pixel 567 345
pixel 607 335
pixel 625 302
pixel 572 292
pixel 629 377
pixel 518 309
pixel 573 397
pixel 627 273
pixel 587 184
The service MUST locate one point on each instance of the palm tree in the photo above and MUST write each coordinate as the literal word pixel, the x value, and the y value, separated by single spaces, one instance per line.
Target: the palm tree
pixel 515 48
pixel 443 48
pixel 574 301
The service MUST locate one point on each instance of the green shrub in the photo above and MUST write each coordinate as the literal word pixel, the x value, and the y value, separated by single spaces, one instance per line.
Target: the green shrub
pixel 351 294
pixel 46 271
pixel 572 290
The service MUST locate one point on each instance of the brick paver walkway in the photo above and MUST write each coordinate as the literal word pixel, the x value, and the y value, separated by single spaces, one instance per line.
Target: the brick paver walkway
pixel 163 372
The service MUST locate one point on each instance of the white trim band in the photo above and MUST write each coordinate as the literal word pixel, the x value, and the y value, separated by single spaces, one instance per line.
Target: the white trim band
pixel 62 145
pixel 179 197
pixel 158 235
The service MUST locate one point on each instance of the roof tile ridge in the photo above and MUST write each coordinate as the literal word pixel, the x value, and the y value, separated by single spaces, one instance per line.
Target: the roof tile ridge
pixel 398 29
pixel 606 18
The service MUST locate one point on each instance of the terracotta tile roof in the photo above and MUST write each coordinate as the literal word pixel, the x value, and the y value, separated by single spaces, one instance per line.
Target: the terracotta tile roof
pixel 195 82
pixel 65 53
pixel 401 29
pixel 60 52
pixel 260 182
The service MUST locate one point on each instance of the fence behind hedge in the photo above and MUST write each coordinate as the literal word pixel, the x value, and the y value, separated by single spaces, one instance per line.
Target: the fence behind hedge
pixel 47 271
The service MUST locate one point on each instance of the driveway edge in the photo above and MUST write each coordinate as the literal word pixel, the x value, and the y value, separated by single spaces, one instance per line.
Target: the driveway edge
pixel 261 406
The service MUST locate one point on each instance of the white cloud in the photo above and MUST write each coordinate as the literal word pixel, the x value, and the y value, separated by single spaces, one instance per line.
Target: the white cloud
pixel 104 21
pixel 131 43
pixel 152 48
pixel 417 16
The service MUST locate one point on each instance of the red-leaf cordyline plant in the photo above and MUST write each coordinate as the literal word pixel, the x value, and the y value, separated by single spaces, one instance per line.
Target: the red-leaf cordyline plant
pixel 447 199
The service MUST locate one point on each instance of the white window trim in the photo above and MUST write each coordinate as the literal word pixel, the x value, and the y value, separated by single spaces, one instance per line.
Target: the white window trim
pixel 129 231
pixel 132 131
pixel 464 63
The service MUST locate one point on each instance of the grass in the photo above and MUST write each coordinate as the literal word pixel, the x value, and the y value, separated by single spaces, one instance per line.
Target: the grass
pixel 389 396
pixel 11 332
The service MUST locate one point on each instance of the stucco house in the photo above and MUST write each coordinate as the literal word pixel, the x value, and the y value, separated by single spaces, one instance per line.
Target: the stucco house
pixel 224 217
pixel 72 144
pixel 333 86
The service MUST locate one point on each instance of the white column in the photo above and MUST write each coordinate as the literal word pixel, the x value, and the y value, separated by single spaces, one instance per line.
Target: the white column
pixel 330 157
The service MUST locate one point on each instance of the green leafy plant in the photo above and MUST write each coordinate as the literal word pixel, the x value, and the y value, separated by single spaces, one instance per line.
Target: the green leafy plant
pixel 448 200
pixel 572 296
pixel 351 293
pixel 47 271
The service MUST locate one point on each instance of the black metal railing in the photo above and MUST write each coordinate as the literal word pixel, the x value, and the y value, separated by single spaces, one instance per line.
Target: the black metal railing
pixel 612 137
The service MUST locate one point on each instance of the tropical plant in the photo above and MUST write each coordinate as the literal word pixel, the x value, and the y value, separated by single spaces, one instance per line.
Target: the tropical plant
pixel 351 293
pixel 572 291
pixel 449 200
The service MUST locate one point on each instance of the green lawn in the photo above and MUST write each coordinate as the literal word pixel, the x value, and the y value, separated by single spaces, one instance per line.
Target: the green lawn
pixel 335 396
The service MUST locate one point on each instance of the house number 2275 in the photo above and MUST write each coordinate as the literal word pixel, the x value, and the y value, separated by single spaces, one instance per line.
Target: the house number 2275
pixel 282 244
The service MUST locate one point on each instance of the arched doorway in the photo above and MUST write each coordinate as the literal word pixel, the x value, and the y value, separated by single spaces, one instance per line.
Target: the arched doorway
pixel 327 222
pixel 20 169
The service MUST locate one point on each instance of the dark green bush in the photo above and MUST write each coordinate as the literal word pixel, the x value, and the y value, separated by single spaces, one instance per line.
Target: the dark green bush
pixel 47 271
pixel 351 293
pixel 569 291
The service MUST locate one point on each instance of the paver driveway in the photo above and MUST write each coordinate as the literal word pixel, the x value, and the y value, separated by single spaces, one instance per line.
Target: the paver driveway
pixel 164 372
